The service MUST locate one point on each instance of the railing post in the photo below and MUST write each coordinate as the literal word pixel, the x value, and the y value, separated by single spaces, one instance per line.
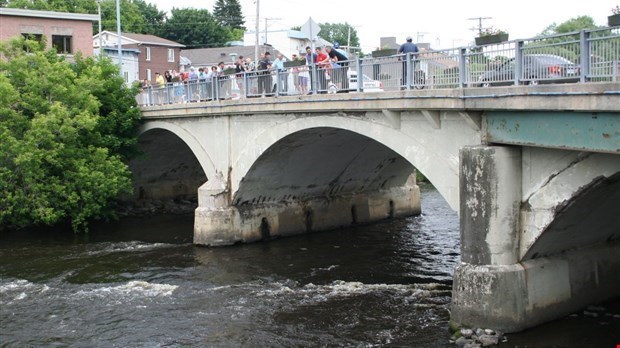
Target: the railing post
pixel 213 83
pixel 584 46
pixel 410 73
pixel 277 82
pixel 358 67
pixel 518 62
pixel 244 82
pixel 150 93
pixel 313 77
pixel 462 67
pixel 167 89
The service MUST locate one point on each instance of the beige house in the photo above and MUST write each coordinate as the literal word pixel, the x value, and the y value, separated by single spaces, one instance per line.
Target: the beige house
pixel 68 33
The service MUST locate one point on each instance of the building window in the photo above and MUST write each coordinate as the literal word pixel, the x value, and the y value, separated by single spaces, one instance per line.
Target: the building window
pixel 149 76
pixel 62 43
pixel 126 76
pixel 148 54
pixel 171 55
pixel 34 37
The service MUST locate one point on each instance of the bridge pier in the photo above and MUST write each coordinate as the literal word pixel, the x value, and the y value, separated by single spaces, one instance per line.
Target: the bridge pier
pixel 218 223
pixel 493 286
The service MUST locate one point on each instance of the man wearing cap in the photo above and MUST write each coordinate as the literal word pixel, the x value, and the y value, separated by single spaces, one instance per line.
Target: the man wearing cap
pixel 407 47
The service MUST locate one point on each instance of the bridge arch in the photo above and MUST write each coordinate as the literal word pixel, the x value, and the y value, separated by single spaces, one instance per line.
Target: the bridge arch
pixel 188 138
pixel 583 197
pixel 441 168
pixel 172 167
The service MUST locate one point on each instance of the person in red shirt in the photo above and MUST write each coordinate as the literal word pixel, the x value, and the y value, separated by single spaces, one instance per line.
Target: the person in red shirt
pixel 324 66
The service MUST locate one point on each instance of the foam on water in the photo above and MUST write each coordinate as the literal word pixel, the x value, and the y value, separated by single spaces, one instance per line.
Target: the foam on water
pixel 19 289
pixel 125 247
pixel 132 289
pixel 340 288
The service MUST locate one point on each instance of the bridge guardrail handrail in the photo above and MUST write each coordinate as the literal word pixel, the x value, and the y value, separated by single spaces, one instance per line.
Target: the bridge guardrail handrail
pixel 582 56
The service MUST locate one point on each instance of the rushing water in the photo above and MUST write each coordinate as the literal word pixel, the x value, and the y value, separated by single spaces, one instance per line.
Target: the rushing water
pixel 141 283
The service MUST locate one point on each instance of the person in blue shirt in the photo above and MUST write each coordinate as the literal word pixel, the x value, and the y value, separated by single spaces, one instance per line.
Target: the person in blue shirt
pixel 407 47
pixel 282 76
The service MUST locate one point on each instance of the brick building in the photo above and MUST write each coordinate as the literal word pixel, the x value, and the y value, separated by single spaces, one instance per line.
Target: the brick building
pixel 69 33
pixel 155 53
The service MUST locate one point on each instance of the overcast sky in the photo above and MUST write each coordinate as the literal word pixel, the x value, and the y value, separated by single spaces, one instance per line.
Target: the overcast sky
pixel 444 24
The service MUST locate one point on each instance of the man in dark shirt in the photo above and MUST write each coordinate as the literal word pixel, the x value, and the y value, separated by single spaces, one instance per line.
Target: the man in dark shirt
pixel 265 81
pixel 340 65
pixel 407 47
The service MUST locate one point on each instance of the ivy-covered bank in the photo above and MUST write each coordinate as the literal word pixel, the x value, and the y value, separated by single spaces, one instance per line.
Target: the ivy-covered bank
pixel 66 131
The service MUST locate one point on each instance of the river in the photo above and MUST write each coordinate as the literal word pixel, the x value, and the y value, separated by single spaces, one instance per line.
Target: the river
pixel 141 283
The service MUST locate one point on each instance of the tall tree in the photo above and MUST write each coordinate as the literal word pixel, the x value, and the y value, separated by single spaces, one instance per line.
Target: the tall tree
pixel 154 18
pixel 343 33
pixel 195 28
pixel 55 164
pixel 228 13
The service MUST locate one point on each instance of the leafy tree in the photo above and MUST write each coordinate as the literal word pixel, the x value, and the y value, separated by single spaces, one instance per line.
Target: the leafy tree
pixel 132 17
pixel 339 32
pixel 228 13
pixel 54 161
pixel 195 28
pixel 154 18
pixel 81 6
pixel 136 15
pixel 571 25
pixel 564 40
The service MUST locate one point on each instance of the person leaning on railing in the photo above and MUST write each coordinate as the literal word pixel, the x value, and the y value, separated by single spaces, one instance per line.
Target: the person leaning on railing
pixel 265 81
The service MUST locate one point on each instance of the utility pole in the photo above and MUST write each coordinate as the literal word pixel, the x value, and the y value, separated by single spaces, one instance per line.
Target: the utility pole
pixel 100 39
pixel 118 33
pixel 269 19
pixel 257 27
pixel 479 19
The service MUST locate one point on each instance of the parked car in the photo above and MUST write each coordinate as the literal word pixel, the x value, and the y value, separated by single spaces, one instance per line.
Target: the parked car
pixel 536 69
pixel 369 85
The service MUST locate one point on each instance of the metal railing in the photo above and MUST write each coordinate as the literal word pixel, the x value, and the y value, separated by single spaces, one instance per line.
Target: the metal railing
pixel 584 56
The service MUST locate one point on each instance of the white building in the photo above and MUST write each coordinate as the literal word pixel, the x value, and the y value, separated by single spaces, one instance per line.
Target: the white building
pixel 130 59
pixel 285 41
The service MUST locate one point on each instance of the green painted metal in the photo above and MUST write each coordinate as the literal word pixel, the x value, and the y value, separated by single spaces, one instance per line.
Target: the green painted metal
pixel 589 131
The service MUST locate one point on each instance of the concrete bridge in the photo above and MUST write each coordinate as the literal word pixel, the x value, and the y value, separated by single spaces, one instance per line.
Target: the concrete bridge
pixel 533 172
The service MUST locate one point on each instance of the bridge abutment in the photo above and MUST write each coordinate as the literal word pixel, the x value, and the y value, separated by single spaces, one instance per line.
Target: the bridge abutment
pixel 494 286
pixel 515 297
pixel 218 223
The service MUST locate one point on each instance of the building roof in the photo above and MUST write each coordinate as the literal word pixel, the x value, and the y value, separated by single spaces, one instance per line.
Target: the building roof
pixel 212 56
pixel 5 11
pixel 143 39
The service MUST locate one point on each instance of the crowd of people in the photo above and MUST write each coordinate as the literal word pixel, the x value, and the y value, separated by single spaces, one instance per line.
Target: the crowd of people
pixel 323 68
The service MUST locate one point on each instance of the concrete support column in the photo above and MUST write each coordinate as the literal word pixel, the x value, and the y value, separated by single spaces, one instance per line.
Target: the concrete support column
pixel 214 217
pixel 490 197
pixel 490 191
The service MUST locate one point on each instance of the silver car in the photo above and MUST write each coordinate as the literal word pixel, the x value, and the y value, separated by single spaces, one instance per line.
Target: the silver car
pixel 536 69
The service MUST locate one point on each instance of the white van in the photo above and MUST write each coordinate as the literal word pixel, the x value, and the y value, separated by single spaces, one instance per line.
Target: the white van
pixel 369 85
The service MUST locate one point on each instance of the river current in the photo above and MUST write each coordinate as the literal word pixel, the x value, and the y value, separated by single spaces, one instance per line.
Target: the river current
pixel 141 283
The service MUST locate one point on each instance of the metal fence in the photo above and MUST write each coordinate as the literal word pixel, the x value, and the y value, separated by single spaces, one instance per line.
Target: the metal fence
pixel 584 56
